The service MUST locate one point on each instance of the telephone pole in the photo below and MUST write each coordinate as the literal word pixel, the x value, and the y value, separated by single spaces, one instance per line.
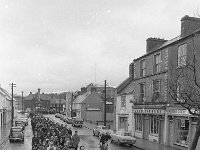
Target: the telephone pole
pixel 12 107
pixel 72 103
pixel 22 103
pixel 59 103
pixel 105 106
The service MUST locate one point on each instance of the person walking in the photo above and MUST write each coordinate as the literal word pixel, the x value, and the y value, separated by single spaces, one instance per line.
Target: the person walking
pixel 75 140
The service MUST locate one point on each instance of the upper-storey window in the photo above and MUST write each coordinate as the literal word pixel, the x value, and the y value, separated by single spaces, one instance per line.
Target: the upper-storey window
pixel 156 90
pixel 142 92
pixel 157 63
pixel 142 68
pixel 123 101
pixel 182 51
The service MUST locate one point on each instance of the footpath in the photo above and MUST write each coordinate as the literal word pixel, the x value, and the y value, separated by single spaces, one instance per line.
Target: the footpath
pixel 4 133
pixel 140 143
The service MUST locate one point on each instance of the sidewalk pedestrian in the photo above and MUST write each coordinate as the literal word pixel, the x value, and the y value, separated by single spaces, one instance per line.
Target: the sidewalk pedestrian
pixel 75 140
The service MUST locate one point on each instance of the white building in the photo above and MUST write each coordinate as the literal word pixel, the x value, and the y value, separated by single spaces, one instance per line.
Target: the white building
pixel 6 107
pixel 124 117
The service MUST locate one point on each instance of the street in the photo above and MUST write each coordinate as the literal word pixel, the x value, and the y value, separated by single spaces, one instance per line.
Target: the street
pixel 87 139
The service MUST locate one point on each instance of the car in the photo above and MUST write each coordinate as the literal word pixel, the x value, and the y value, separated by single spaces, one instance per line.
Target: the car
pixel 57 115
pixel 16 134
pixel 123 137
pixel 20 123
pixel 99 130
pixel 69 120
pixel 77 122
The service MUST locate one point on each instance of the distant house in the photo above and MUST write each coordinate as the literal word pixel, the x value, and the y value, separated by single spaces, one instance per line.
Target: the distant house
pixel 93 109
pixel 58 104
pixel 37 100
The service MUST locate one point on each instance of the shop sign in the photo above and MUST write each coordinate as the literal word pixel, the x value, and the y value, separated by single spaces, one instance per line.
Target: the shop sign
pixel 183 123
pixel 149 111
pixel 179 112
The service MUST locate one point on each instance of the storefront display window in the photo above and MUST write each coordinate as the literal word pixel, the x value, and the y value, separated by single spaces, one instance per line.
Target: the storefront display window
pixel 138 122
pixel 182 126
pixel 154 124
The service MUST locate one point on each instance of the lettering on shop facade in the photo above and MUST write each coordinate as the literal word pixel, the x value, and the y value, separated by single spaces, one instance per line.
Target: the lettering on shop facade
pixel 149 111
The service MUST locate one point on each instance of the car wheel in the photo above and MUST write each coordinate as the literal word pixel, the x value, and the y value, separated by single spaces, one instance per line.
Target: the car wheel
pixel 10 141
pixel 111 140
pixel 93 133
pixel 118 142
pixel 131 145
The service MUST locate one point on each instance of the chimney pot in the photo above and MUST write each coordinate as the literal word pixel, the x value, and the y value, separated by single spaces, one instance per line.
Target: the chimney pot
pixel 153 43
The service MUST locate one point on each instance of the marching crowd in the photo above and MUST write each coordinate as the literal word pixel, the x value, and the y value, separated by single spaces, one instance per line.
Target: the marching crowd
pixel 48 135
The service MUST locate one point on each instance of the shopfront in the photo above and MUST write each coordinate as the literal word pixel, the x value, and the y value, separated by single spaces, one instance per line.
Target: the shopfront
pixel 178 128
pixel 149 124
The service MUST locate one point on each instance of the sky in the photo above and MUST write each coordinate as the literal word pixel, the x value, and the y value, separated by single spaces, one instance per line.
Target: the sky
pixel 63 45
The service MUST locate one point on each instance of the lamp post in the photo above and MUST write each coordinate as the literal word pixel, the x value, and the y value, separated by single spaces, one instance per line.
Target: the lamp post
pixel 12 107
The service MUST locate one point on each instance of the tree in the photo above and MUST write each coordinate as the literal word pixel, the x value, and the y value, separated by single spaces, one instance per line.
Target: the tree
pixel 184 86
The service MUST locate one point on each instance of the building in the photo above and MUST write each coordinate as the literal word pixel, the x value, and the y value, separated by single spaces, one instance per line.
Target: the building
pixel 78 108
pixel 156 115
pixel 68 103
pixel 59 105
pixel 36 101
pixel 124 101
pixel 6 107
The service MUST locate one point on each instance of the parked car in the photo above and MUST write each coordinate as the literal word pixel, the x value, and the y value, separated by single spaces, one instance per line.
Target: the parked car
pixel 20 123
pixel 99 130
pixel 69 120
pixel 122 137
pixel 16 134
pixel 57 115
pixel 77 122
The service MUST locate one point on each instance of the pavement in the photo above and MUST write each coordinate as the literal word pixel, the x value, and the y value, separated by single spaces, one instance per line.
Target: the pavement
pixel 141 143
pixel 4 133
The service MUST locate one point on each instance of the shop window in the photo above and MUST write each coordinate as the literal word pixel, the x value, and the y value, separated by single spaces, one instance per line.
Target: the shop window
pixel 182 129
pixel 157 63
pixel 123 123
pixel 142 68
pixel 182 51
pixel 138 122
pixel 154 124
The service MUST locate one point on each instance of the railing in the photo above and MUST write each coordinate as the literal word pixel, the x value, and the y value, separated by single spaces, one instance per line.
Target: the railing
pixel 149 103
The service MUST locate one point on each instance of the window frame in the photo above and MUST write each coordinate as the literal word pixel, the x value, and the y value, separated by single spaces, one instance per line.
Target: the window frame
pixel 154 91
pixel 123 101
pixel 154 124
pixel 142 68
pixel 142 99
pixel 157 66
pixel 138 122
pixel 182 55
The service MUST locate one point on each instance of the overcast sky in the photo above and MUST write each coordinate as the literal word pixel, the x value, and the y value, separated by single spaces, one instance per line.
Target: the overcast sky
pixel 56 44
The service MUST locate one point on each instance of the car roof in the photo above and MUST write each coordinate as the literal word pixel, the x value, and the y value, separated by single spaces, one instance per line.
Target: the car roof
pixel 16 127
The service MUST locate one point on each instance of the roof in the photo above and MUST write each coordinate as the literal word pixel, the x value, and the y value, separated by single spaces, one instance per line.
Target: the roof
pixel 42 96
pixel 124 84
pixel 82 97
pixel 6 93
pixel 167 43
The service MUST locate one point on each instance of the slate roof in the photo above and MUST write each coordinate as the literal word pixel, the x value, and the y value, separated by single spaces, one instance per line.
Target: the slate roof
pixel 57 101
pixel 6 93
pixel 81 98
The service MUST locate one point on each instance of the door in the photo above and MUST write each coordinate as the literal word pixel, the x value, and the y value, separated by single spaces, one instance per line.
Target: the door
pixel 146 128
pixel 161 130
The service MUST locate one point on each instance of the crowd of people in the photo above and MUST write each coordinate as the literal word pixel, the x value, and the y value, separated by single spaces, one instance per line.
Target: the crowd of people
pixel 49 135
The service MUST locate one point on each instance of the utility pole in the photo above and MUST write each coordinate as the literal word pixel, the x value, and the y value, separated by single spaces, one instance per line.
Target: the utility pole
pixel 12 107
pixel 105 106
pixel 59 103
pixel 22 103
pixel 72 103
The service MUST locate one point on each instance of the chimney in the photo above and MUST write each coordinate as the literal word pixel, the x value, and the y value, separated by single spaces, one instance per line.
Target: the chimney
pixel 188 25
pixel 93 89
pixel 30 93
pixel 83 90
pixel 131 69
pixel 153 43
pixel 39 94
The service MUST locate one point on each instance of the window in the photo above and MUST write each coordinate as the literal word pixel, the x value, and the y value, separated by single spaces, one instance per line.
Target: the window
pixel 138 122
pixel 142 92
pixel 142 68
pixel 154 124
pixel 123 101
pixel 182 50
pixel 123 123
pixel 156 90
pixel 182 128
pixel 157 63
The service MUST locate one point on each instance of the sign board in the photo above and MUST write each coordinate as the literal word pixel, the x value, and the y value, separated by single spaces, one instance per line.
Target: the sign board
pixel 149 111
